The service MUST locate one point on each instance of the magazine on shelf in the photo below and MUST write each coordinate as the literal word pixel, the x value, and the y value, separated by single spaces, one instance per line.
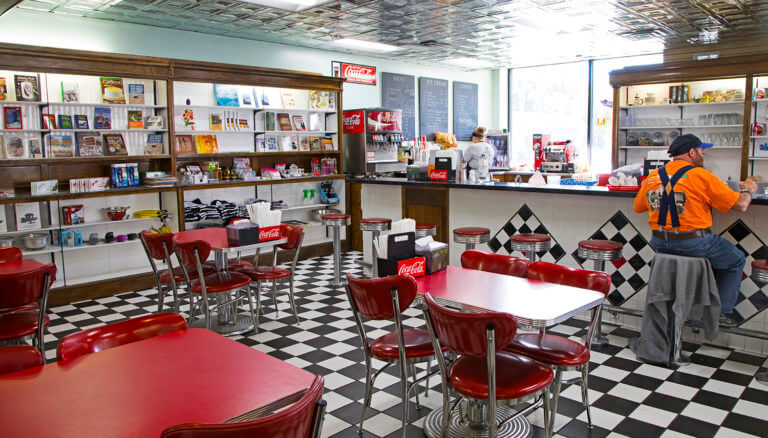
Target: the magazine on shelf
pixel 272 144
pixel 242 124
pixel 314 143
pixel 3 89
pixel 214 121
pixel 14 147
pixel 261 144
pixel 185 145
pixel 206 144
pixel 226 95
pixel 49 121
pixel 28 216
pixel 89 144
pixel 81 121
pixel 188 117
pixel 304 143
pixel 115 144
pixel 327 143
pixel 258 96
pixel 269 121
pixel 285 121
pixel 65 121
pixel 60 146
pixel 27 88
pixel 153 122
pixel 112 90
pixel 135 119
pixel 102 117
pixel 319 100
pixel 315 120
pixel 154 145
pixel 331 101
pixel 12 117
pixel 70 91
pixel 298 123
pixel 35 150
pixel 136 94
pixel 245 96
pixel 289 143
pixel 288 98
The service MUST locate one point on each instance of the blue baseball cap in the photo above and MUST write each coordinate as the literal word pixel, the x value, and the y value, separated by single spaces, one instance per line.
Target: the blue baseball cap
pixel 684 143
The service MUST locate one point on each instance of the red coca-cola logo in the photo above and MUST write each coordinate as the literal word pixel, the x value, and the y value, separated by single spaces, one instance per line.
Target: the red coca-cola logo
pixel 439 175
pixel 385 121
pixel 415 267
pixel 359 73
pixel 269 233
pixel 353 122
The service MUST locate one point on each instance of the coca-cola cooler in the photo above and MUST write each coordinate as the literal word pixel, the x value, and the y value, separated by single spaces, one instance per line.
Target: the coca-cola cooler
pixel 373 141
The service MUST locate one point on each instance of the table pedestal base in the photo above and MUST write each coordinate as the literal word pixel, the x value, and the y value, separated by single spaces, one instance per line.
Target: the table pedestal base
pixel 242 324
pixel 474 425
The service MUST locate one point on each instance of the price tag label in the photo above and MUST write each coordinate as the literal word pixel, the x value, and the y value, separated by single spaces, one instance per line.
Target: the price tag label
pixel 371 155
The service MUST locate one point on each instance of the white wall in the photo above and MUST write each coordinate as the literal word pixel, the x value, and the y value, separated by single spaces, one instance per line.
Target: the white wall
pixel 21 26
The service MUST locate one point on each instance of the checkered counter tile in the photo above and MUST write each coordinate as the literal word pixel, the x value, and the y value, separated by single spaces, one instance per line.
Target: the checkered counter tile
pixel 752 299
pixel 525 221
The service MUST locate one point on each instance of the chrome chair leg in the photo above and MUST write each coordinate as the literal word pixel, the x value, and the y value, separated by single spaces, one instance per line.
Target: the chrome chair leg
pixel 426 381
pixel 293 303
pixel 404 394
pixel 413 375
pixel 254 320
pixel 547 413
pixel 258 297
pixel 274 297
pixel 368 392
pixel 585 392
pixel 555 397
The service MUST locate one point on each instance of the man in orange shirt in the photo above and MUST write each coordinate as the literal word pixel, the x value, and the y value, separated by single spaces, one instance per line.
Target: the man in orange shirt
pixel 679 198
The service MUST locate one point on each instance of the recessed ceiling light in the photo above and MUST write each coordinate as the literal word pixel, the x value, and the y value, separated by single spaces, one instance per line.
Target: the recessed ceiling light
pixel 290 5
pixel 367 46
pixel 475 64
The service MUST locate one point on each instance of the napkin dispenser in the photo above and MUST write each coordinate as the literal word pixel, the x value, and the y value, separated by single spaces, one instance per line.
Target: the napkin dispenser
pixel 435 257
pixel 242 233
pixel 401 256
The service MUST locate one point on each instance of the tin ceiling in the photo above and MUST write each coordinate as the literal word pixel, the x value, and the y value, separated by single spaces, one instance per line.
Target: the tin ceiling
pixel 494 32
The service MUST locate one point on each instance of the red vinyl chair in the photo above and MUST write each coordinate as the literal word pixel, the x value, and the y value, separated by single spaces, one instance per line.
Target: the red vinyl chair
pixel 484 373
pixel 10 254
pixel 384 299
pixel 562 353
pixel 496 263
pixel 303 419
pixel 19 357
pixel 259 274
pixel 23 305
pixel 119 333
pixel 190 255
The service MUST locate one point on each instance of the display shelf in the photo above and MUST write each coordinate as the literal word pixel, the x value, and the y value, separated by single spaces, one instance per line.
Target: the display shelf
pixel 251 154
pixel 107 131
pixel 672 105
pixel 666 147
pixel 21 102
pixel 260 182
pixel 75 160
pixel 242 131
pixel 757 137
pixel 78 195
pixel 101 244
pixel 23 130
pixel 304 207
pixel 758 158
pixel 296 110
pixel 111 105
pixel 108 222
pixel 11 233
pixel 47 250
pixel 299 132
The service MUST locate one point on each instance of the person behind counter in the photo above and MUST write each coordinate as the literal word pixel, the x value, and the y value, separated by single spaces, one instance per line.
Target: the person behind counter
pixel 478 150
pixel 678 198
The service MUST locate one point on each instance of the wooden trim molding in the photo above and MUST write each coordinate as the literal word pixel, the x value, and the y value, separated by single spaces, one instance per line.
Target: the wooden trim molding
pixel 686 71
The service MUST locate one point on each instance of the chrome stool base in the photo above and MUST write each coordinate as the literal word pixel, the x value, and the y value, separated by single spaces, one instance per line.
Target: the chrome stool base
pixel 243 324
pixel 519 427
pixel 531 249
pixel 762 376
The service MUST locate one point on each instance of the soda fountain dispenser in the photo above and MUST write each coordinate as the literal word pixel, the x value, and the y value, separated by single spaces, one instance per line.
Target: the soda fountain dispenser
pixel 372 139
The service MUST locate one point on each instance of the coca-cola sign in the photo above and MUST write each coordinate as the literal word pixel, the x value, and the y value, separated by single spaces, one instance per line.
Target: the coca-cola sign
pixel 415 267
pixel 353 122
pixel 360 74
pixel 385 121
pixel 438 175
pixel 269 233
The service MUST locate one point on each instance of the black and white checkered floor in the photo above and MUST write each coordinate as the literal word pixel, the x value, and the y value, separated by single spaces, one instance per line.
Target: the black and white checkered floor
pixel 716 395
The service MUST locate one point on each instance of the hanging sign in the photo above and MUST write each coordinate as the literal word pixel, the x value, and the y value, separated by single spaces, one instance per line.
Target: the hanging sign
pixel 360 74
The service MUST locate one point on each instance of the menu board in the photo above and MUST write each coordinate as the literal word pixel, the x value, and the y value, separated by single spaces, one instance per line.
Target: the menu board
pixel 399 92
pixel 433 107
pixel 464 109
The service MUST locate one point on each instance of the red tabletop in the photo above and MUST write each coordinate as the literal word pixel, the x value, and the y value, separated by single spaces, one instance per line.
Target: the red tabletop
pixel 18 266
pixel 534 303
pixel 138 389
pixel 217 238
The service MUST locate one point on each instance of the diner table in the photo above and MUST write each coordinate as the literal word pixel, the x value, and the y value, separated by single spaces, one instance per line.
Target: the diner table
pixel 139 389
pixel 535 304
pixel 228 322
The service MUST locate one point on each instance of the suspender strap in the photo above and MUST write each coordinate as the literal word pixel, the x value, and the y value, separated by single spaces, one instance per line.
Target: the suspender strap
pixel 667 204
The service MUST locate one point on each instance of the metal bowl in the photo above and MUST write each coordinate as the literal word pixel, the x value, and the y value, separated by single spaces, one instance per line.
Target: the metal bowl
pixel 318 213
pixel 6 241
pixel 35 241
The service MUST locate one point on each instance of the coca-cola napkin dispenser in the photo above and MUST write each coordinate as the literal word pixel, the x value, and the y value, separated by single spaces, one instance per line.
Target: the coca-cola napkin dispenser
pixel 446 163
pixel 435 257
pixel 242 233
pixel 401 260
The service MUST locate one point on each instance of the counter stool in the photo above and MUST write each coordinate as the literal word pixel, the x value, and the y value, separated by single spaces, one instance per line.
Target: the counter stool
pixel 424 229
pixel 760 276
pixel 336 221
pixel 375 225
pixel 600 251
pixel 471 236
pixel 530 244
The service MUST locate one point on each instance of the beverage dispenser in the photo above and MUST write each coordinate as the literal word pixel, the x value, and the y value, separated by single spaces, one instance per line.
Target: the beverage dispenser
pixel 372 139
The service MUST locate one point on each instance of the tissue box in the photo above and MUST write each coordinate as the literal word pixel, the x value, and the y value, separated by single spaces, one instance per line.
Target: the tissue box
pixel 243 233
pixel 269 233
pixel 44 187
pixel 413 266
pixel 436 258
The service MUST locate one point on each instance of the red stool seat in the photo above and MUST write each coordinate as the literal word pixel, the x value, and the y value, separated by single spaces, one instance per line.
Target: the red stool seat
pixel 426 226
pixel 178 274
pixel 471 231
pixel 375 221
pixel 232 265
pixel 221 282
pixel 760 264
pixel 530 238
pixel 18 324
pixel 550 349
pixel 417 344
pixel 517 376
pixel 335 216
pixel 600 245
pixel 259 273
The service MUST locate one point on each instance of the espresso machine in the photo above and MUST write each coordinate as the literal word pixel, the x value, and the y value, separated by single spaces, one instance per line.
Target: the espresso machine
pixel 558 157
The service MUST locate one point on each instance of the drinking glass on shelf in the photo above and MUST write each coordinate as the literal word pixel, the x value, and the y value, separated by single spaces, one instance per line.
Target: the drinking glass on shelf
pixel 710 119
pixel 702 120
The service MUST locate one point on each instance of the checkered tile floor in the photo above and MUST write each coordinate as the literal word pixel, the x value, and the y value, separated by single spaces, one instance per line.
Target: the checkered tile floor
pixel 716 395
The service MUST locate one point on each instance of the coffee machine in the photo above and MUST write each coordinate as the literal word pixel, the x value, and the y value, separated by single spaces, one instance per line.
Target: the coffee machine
pixel 558 157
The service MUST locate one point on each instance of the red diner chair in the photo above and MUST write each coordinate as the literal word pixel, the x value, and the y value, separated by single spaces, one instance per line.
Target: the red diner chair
pixel 496 263
pixel 385 299
pixel 19 357
pixel 191 255
pixel 23 305
pixel 9 254
pixel 119 333
pixel 484 372
pixel 561 353
pixel 303 419
pixel 258 274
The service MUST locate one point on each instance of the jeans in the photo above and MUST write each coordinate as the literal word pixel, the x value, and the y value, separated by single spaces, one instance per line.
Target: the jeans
pixel 727 262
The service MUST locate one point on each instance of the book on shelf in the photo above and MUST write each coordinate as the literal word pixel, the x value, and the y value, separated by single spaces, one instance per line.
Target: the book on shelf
pixel 188 117
pixel 112 90
pixel 315 122
pixel 245 96
pixel 258 96
pixel 272 145
pixel 60 146
pixel 65 121
pixel 70 91
pixel 154 145
pixel 319 100
pixel 135 119
pixel 242 124
pixel 14 147
pixel 331 101
pixel 28 216
pixel 115 144
pixel 3 89
pixel 288 98
pixel 269 121
pixel 289 143
pixel 214 121
pixel 153 122
pixel 304 144
pixel 3 221
pixel 185 145
pixel 261 144
pixel 102 117
pixel 81 121
pixel 314 143
pixel 89 144
pixel 298 123
pixel 327 143
pixel 206 144
pixel 226 95
pixel 35 150
pixel 49 121
pixel 285 121
pixel 136 94
pixel 27 88
pixel 12 117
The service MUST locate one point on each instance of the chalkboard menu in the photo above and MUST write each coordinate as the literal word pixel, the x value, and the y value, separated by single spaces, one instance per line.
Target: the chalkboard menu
pixel 399 91
pixel 433 107
pixel 464 109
